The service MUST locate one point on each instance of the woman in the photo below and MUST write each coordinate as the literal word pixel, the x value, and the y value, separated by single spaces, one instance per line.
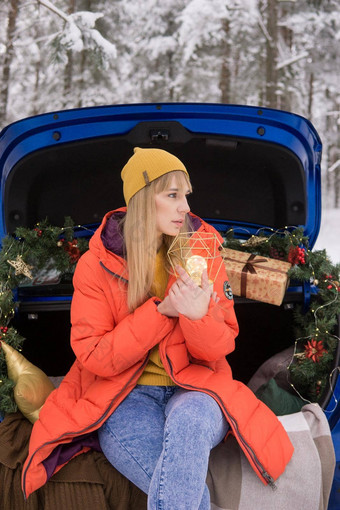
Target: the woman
pixel 150 375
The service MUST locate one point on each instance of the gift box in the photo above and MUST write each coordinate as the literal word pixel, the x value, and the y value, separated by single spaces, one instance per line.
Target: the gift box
pixel 256 277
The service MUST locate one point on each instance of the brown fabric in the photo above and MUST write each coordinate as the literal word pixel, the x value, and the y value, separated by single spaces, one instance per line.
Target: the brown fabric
pixel 88 482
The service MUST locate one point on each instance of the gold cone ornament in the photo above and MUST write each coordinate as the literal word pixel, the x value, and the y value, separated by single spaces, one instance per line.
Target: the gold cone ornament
pixel 32 386
pixel 254 241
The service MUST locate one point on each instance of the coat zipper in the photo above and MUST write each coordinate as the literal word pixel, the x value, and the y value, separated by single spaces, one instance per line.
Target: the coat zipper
pixel 81 432
pixel 113 274
pixel 263 473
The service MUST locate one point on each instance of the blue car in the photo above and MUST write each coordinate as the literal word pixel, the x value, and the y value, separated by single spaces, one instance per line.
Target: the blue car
pixel 254 169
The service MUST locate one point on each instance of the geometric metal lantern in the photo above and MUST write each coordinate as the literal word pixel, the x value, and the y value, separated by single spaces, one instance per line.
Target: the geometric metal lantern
pixel 196 251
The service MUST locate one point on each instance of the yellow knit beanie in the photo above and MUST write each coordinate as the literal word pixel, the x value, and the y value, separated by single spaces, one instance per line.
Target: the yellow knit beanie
pixel 145 166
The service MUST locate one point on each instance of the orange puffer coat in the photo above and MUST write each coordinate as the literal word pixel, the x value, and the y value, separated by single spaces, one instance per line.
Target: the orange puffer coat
pixel 112 346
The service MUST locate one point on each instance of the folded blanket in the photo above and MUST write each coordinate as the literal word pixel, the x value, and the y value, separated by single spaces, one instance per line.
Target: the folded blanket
pixel 90 482
pixel 306 482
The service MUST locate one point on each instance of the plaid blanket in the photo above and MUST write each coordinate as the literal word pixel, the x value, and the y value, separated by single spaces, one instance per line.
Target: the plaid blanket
pixel 306 482
pixel 90 482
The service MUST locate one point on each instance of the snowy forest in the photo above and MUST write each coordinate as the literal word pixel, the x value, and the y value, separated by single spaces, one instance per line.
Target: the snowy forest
pixel 283 54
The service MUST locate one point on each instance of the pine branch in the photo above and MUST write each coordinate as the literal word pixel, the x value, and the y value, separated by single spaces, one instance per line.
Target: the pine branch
pixel 316 326
pixel 38 247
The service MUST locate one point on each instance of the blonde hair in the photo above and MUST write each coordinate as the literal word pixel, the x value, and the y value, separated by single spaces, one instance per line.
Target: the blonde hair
pixel 141 240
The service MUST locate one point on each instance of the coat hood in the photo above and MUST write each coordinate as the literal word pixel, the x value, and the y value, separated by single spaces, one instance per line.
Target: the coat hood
pixel 107 243
pixel 108 239
pixel 109 236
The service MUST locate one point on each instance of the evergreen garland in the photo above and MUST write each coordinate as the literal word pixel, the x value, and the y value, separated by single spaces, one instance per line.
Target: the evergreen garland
pixel 31 250
pixel 21 257
pixel 316 344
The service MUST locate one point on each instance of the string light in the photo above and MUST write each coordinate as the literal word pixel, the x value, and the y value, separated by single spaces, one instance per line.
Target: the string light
pixel 332 389
pixel 337 368
pixel 320 330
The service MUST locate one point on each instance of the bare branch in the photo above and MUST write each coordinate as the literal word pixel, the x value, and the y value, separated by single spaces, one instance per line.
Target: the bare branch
pixel 53 8
pixel 264 30
pixel 43 38
pixel 292 60
pixel 334 166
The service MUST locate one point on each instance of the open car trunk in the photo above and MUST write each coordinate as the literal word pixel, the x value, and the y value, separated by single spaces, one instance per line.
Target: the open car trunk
pixel 250 168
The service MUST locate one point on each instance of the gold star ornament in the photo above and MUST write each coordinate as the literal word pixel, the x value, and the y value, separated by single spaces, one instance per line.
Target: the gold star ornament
pixel 21 267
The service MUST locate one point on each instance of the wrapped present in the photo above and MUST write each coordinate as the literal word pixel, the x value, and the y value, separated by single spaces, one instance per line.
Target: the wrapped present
pixel 256 277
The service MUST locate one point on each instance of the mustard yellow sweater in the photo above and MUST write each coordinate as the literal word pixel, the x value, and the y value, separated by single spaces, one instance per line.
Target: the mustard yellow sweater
pixel 154 373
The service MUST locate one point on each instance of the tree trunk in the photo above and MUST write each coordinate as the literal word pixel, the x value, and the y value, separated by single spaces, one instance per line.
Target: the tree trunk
pixel 171 76
pixel 328 128
pixel 225 78
pixel 337 188
pixel 271 54
pixel 35 109
pixel 336 158
pixel 82 83
pixel 285 75
pixel 171 62
pixel 9 53
pixel 310 95
pixel 68 73
pixel 333 154
pixel 86 5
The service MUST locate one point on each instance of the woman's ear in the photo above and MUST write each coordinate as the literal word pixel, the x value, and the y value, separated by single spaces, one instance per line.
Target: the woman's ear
pixel 32 386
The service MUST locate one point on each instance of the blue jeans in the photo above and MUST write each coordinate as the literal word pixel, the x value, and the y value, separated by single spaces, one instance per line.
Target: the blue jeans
pixel 160 438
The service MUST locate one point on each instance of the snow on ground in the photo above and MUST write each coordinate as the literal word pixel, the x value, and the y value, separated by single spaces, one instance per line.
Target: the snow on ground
pixel 329 235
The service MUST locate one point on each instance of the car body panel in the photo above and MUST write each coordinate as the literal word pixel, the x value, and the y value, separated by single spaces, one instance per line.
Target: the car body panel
pixel 289 131
pixel 222 129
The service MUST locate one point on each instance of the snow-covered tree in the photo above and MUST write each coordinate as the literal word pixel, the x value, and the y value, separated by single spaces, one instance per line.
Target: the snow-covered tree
pixel 316 92
pixel 8 37
pixel 44 55
pixel 72 53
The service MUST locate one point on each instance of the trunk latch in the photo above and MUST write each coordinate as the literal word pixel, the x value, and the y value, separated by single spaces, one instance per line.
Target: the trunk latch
pixel 159 135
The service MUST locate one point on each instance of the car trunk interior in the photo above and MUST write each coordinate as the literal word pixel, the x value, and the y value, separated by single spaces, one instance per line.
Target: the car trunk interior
pixel 240 181
pixel 234 179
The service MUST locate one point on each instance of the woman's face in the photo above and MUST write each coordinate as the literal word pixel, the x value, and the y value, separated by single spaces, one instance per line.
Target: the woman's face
pixel 171 208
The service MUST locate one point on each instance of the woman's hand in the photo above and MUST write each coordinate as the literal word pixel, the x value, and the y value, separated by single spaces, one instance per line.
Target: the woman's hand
pixel 167 308
pixel 187 298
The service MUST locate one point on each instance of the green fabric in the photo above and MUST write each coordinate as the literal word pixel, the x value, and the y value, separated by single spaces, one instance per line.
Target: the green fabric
pixel 278 400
